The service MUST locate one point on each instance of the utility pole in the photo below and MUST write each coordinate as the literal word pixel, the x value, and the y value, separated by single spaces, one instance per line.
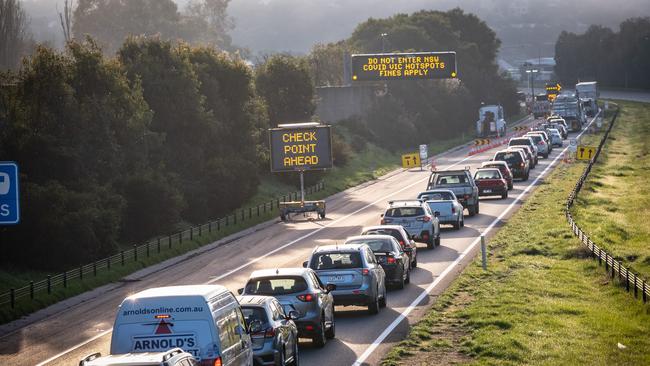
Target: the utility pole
pixel 383 42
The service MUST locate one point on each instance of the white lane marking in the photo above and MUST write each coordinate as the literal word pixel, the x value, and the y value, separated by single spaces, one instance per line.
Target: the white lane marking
pixel 453 264
pixel 252 261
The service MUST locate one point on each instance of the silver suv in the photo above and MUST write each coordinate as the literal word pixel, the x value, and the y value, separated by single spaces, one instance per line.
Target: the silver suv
pixel 416 218
pixel 298 289
pixel 359 279
pixel 173 357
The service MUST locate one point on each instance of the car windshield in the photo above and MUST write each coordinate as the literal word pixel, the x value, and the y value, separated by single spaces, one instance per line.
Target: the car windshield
pixel 392 232
pixel 510 157
pixel 487 174
pixel 436 196
pixel 254 313
pixel 376 245
pixel 451 179
pixel 336 260
pixel 404 212
pixel 280 285
pixel 536 138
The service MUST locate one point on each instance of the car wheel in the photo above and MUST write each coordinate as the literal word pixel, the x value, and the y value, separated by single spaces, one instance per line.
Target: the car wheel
pixel 373 307
pixel 437 243
pixel 546 156
pixel 415 262
pixel 283 217
pixel 331 333
pixel 322 215
pixel 408 276
pixel 382 301
pixel 471 210
pixel 319 339
pixel 430 243
pixel 457 224
pixel 462 222
pixel 477 208
pixel 296 359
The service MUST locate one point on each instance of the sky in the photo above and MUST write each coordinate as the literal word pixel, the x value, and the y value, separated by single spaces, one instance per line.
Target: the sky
pixel 527 28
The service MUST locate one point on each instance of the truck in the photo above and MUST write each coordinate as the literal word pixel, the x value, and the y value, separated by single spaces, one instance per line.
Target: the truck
pixel 541 106
pixel 588 93
pixel 568 107
pixel 491 122
pixel 461 183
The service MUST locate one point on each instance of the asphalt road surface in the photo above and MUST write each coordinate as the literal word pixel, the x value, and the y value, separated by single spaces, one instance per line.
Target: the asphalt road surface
pixel 66 335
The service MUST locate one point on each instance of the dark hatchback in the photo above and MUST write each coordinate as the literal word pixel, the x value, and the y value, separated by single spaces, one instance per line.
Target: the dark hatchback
pixel 389 255
pixel 516 161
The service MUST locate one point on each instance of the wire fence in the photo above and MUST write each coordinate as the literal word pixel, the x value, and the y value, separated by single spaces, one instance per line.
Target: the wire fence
pixel 146 250
pixel 615 269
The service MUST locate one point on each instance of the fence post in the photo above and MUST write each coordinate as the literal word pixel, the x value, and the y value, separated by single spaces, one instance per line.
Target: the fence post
pixel 258 210
pixel 65 279
pixel 81 272
pixel 619 267
pixel 250 213
pixel 606 260
pixel 234 218
pixel 600 259
pixel 180 237
pixel 108 263
pixel 12 296
pixel 122 256
pixel 49 284
pixel 483 253
pixel 147 249
pixel 169 241
pixel 242 214
pixel 135 252
pixel 644 295
pixel 635 285
pixel 218 224
pixel 226 220
pixel 158 245
pixel 95 269
pixel 191 233
pixel 31 290
pixel 200 231
pixel 210 226
pixel 627 280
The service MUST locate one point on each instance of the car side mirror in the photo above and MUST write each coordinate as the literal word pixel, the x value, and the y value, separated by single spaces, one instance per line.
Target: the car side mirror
pixel 255 326
pixel 382 215
pixel 330 287
pixel 240 291
pixel 293 315
pixel 436 214
pixel 305 264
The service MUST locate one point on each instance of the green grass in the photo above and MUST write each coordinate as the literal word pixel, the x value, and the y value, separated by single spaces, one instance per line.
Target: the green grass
pixel 542 301
pixel 615 202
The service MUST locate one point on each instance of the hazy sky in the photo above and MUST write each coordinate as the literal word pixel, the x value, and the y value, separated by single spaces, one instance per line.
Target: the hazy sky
pixel 526 27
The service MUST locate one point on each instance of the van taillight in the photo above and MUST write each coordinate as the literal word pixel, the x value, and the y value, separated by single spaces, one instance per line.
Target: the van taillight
pixel 306 298
pixel 365 271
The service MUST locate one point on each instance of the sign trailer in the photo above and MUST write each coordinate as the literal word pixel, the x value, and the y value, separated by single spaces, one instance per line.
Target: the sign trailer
pixel 300 147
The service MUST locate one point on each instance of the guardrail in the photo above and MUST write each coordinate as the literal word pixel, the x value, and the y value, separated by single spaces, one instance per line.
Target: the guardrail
pixel 633 282
pixel 145 250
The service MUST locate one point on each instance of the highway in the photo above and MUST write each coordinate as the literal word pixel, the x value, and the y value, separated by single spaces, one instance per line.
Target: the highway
pixel 66 335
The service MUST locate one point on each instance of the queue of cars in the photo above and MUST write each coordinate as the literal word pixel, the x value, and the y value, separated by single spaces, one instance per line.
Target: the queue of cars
pixel 207 325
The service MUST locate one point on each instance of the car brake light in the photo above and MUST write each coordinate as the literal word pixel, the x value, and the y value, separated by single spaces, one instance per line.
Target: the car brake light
pixel 541 142
pixel 270 333
pixel 467 196
pixel 365 271
pixel 309 328
pixel 401 243
pixel 391 260
pixel 306 298
pixel 212 362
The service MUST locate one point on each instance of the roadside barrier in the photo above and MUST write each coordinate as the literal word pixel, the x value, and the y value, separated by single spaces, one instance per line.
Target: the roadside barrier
pixel 488 144
pixel 146 250
pixel 633 282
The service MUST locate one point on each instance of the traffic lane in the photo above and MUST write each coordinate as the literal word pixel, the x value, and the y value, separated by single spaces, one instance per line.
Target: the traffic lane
pixel 47 338
pixel 489 213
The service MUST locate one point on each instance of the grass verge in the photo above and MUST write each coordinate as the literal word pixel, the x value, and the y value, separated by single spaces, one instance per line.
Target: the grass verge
pixel 615 202
pixel 542 301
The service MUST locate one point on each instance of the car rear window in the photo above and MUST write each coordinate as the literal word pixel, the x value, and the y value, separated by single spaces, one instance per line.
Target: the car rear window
pixel 519 142
pixel 437 196
pixel 536 138
pixel 404 212
pixel 510 157
pixel 487 174
pixel 451 179
pixel 254 313
pixel 337 260
pixel 271 286
pixel 392 232
pixel 376 245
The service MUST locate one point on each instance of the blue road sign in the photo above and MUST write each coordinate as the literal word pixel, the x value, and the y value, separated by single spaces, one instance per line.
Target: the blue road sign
pixel 9 194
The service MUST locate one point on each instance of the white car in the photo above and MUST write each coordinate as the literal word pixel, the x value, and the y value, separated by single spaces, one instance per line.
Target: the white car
pixel 556 137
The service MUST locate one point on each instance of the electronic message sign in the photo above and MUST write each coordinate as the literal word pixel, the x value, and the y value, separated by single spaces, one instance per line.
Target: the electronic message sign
pixel 404 66
pixel 301 146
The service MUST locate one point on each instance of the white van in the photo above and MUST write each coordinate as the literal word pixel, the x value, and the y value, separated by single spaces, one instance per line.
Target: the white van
pixel 205 321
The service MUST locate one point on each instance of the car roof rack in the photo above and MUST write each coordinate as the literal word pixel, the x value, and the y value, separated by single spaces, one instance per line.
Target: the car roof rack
pixel 171 353
pixel 90 357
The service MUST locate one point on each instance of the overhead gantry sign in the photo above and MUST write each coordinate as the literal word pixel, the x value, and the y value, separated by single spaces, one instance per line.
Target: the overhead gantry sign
pixel 404 66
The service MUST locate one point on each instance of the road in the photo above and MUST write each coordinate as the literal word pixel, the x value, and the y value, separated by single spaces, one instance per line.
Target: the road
pixel 65 336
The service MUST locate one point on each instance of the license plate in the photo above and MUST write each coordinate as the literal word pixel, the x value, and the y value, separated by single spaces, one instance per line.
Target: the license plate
pixel 337 278
pixel 487 190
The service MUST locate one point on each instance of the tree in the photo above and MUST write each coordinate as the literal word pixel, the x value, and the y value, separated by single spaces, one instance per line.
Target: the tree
pixel 285 83
pixel 14 34
pixel 211 22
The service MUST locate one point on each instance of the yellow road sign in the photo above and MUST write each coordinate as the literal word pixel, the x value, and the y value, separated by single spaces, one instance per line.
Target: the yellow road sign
pixel 520 128
pixel 411 160
pixel 585 152
pixel 478 142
